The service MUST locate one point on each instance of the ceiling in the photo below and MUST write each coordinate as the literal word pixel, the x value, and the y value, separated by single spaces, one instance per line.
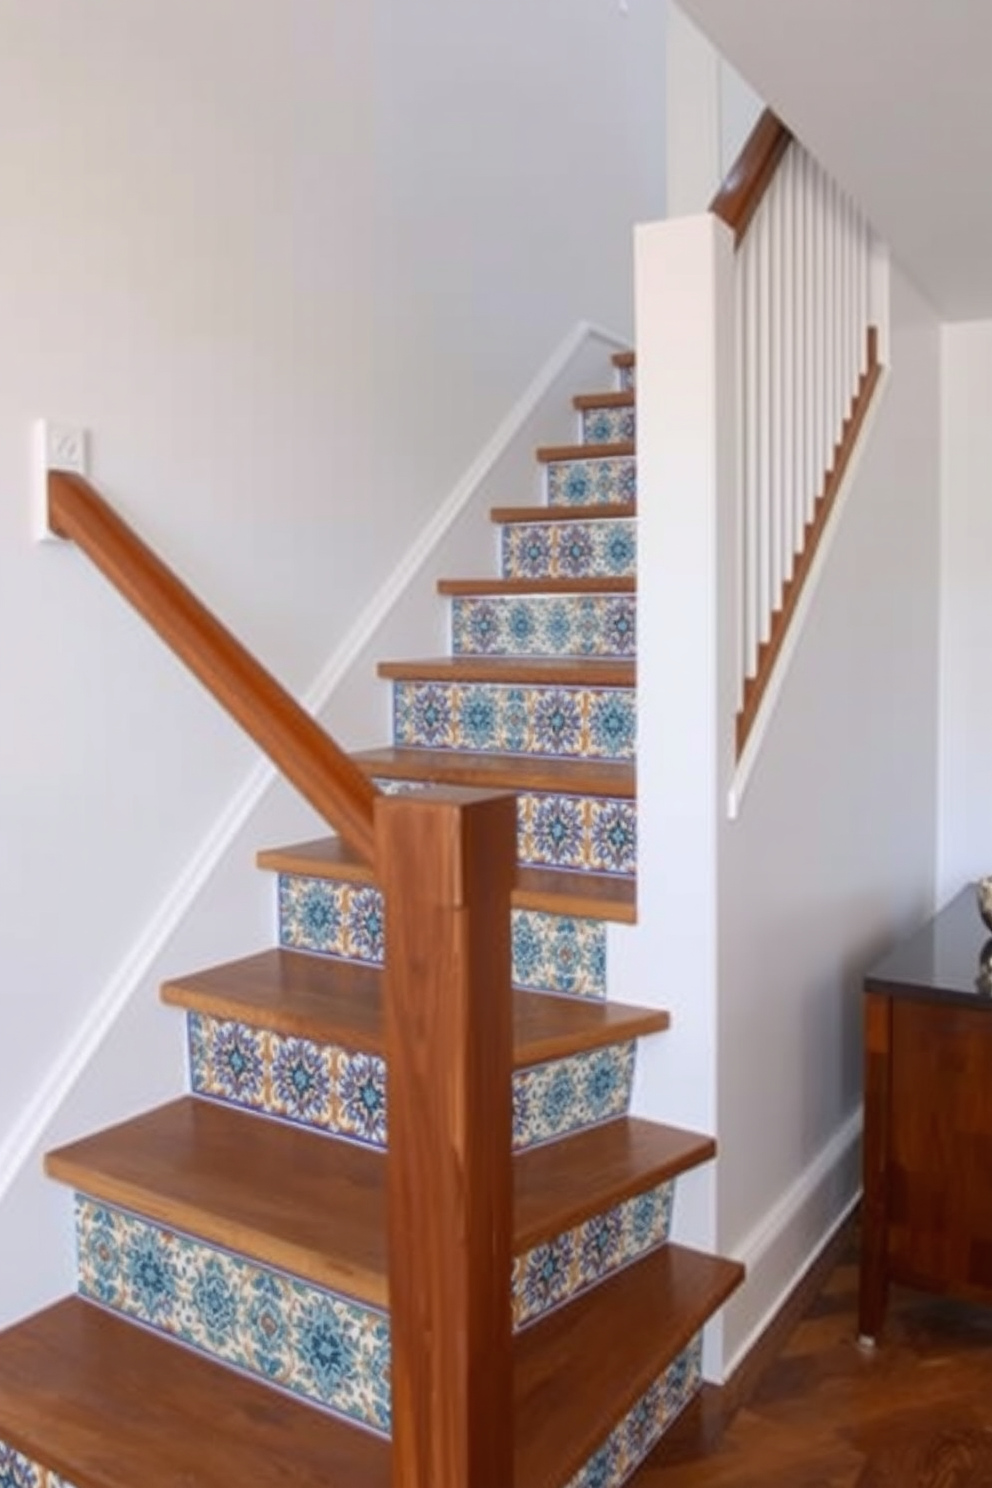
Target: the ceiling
pixel 894 98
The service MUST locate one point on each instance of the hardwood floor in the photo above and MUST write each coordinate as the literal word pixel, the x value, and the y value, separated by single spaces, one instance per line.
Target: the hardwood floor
pixel 823 1413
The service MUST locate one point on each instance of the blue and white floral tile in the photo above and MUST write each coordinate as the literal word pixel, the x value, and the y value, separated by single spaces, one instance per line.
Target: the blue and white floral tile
pixel 569 550
pixel 626 379
pixel 608 425
pixel 320 1086
pixel 321 1346
pixel 567 1095
pixel 18 1471
pixel 645 1424
pixel 598 481
pixel 561 1268
pixel 558 722
pixel 558 953
pixel 544 625
pixel 333 919
pixel 584 834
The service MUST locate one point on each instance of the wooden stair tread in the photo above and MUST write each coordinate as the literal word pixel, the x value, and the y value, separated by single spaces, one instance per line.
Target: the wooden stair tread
pixel 561 1184
pixel 558 453
pixel 624 399
pixel 624 359
pixel 535 671
pixel 294 1199
pixel 516 772
pixel 280 1194
pixel 108 1405
pixel 580 1369
pixel 607 511
pixel 334 1001
pixel 606 585
pixel 597 896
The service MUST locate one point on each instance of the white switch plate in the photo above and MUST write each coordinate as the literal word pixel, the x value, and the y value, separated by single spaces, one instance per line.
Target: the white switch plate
pixel 57 446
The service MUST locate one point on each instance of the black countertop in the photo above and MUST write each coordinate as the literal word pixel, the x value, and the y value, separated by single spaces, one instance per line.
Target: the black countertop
pixel 942 960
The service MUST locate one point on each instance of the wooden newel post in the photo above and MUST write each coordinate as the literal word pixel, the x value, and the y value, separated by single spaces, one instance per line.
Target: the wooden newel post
pixel 446 861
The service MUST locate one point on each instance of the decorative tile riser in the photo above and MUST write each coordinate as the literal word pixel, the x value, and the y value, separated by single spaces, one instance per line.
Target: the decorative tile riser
pixel 597 723
pixel 551 953
pixel 560 550
pixel 325 1348
pixel 600 481
pixel 544 625
pixel 557 1271
pixel 17 1471
pixel 626 379
pixel 644 1426
pixel 583 834
pixel 608 425
pixel 343 1093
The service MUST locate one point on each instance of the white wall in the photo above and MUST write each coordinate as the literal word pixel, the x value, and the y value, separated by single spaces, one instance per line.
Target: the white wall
pixel 290 262
pixel 711 110
pixel 833 854
pixel 966 609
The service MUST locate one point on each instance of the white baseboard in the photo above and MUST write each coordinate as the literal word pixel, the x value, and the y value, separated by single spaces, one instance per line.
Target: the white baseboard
pixel 780 1249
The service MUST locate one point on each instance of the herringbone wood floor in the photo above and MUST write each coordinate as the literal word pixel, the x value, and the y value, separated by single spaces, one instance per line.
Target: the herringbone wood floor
pixel 916 1413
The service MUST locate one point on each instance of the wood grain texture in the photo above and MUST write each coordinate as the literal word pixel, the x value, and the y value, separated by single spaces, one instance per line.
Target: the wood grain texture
pixel 751 174
pixel 579 1370
pixel 282 1195
pixel 541 671
pixel 597 896
pixel 756 686
pixel 331 1001
pixel 623 359
pixel 604 512
pixel 297 745
pixel 555 453
pixel 582 401
pixel 561 1184
pixel 513 772
pixel 108 1405
pixel 605 585
pixel 874 1287
pixel 447 871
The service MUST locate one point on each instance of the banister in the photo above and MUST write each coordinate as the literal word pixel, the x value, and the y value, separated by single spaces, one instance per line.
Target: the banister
pixel 751 174
pixel 308 757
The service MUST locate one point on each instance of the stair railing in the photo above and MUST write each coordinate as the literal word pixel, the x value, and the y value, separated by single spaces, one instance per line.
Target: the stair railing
pixel 808 364
pixel 445 861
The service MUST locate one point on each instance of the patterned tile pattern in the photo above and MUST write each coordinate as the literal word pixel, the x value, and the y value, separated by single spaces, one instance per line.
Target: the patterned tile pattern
pixel 564 722
pixel 608 425
pixel 627 379
pixel 544 625
pixel 562 550
pixel 630 1442
pixel 345 1093
pixel 288 1332
pixel 587 834
pixel 334 919
pixel 315 1085
pixel 554 1272
pixel 567 1095
pixel 551 953
pixel 16 1471
pixel 558 953
pixel 592 482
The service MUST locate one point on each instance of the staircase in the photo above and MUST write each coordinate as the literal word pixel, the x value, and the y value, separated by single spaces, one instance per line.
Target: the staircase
pixel 232 1321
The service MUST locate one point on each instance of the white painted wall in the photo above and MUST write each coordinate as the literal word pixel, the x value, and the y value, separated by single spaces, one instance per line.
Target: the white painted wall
pixel 966 609
pixel 291 263
pixel 711 110
pixel 833 853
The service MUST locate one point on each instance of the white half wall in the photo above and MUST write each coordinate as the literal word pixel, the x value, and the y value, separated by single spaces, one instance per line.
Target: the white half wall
pixel 832 855
pixel 966 609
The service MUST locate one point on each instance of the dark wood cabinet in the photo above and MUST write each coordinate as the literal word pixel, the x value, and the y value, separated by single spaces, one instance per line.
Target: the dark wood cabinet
pixel 927 1214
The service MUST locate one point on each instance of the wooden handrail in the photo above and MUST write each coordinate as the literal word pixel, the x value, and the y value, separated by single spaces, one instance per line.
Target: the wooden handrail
pixel 295 742
pixel 751 174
